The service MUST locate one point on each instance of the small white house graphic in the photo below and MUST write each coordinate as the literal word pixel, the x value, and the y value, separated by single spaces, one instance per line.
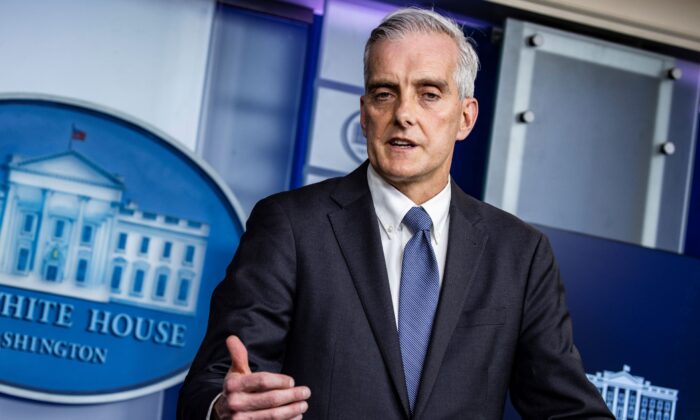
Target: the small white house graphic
pixel 631 397
pixel 65 229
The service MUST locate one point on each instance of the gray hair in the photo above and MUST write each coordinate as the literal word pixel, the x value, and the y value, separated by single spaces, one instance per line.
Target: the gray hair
pixel 414 20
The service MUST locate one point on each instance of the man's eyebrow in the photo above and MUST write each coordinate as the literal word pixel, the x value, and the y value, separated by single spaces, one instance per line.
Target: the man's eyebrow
pixel 376 84
pixel 438 83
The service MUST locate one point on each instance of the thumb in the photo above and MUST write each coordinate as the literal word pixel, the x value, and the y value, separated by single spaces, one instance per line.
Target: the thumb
pixel 239 355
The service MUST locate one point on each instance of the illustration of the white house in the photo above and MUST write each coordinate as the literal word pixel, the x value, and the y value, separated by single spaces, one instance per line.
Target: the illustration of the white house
pixel 66 229
pixel 631 397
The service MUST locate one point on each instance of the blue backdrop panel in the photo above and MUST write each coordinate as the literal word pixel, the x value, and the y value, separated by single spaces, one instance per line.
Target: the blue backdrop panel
pixel 635 306
pixel 692 231
pixel 253 100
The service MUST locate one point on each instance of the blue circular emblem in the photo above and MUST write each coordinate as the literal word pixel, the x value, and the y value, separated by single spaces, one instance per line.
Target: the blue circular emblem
pixel 354 141
pixel 112 238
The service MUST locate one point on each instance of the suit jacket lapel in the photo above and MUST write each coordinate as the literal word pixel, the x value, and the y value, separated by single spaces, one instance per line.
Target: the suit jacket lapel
pixel 466 244
pixel 356 230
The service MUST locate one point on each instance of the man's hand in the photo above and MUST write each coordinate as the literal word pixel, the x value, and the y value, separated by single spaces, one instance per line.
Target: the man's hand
pixel 260 395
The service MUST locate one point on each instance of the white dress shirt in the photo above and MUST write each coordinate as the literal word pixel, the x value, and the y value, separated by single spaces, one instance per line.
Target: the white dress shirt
pixel 391 205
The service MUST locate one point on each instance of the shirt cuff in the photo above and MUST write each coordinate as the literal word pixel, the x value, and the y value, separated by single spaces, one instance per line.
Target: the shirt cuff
pixel 211 406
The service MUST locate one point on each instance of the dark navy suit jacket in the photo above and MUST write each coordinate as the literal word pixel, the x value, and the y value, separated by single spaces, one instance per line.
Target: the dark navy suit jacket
pixel 307 293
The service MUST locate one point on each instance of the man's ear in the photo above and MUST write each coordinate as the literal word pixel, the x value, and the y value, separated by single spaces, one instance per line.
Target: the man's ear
pixel 469 113
pixel 363 121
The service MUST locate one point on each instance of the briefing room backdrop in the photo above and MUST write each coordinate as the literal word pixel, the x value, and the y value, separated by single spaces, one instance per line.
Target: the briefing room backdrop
pixel 591 135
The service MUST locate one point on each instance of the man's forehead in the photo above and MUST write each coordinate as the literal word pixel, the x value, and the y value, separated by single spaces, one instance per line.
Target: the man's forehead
pixel 418 79
pixel 418 56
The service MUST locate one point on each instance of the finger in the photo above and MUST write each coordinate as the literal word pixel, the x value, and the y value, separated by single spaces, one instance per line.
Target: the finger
pixel 258 382
pixel 239 355
pixel 221 408
pixel 286 412
pixel 245 401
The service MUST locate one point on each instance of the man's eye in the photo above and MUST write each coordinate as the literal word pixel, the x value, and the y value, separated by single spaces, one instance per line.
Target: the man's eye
pixel 382 96
pixel 431 96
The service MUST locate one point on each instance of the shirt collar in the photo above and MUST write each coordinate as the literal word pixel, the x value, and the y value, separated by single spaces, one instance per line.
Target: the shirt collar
pixel 391 205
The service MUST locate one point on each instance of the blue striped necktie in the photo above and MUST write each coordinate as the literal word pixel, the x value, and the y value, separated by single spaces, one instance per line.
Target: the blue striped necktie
pixel 418 298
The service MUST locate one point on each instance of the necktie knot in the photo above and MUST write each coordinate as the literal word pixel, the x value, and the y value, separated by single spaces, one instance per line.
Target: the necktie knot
pixel 417 219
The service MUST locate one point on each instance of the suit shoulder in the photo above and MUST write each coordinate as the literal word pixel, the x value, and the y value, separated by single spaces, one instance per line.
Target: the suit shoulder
pixel 307 198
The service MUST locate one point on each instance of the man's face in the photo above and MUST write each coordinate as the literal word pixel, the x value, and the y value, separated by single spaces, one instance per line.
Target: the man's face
pixel 411 113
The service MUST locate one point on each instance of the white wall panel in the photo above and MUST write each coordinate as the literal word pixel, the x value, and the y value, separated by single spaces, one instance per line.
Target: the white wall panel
pixel 346 27
pixel 143 58
pixel 327 151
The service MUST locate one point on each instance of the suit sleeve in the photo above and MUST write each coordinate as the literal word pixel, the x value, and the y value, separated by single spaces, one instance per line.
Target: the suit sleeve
pixel 254 302
pixel 548 380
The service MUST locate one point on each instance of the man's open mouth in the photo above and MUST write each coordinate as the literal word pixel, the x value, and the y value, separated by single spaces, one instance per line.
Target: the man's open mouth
pixel 402 143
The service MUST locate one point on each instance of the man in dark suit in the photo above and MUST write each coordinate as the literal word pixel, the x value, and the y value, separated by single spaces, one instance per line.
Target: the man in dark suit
pixel 390 293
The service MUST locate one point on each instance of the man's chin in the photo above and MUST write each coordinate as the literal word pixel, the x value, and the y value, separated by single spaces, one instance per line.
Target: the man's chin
pixel 396 173
pixel 401 178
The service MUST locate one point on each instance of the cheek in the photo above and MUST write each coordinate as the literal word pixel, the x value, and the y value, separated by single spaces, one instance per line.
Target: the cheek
pixel 442 133
pixel 375 128
pixel 446 127
pixel 372 137
pixel 374 149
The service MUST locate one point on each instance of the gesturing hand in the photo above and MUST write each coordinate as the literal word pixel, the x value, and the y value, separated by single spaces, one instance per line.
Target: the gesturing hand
pixel 260 395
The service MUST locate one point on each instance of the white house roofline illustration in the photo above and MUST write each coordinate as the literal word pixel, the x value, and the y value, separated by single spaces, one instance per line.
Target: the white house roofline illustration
pixel 65 229
pixel 631 397
pixel 32 165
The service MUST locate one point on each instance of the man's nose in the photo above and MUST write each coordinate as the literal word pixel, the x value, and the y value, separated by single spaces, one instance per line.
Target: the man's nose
pixel 405 112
